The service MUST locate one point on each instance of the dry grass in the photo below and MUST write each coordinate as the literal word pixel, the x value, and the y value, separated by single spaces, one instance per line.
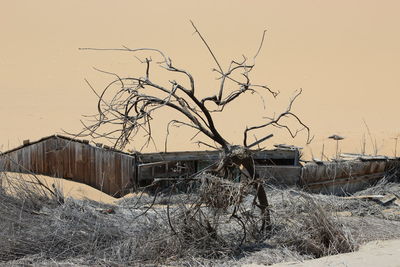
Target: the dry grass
pixel 219 193
pixel 184 229
pixel 34 223
pixel 308 229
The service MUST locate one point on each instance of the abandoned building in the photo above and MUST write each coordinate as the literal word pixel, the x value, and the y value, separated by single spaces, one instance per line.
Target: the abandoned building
pixel 108 170
pixel 117 173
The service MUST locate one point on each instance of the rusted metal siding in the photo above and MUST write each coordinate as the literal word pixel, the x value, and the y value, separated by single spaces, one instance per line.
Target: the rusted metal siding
pixel 110 171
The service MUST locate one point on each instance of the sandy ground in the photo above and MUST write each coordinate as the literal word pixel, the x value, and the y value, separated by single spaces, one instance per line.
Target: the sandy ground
pixel 338 63
pixel 375 253
pixel 69 188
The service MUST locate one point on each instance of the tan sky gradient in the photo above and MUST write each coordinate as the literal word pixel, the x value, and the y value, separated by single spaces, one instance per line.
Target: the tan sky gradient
pixel 344 54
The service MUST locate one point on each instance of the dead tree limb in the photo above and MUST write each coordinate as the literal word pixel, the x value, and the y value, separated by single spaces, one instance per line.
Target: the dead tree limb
pixel 131 109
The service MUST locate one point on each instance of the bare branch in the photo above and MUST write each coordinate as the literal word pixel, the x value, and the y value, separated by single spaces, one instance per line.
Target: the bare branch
pixel 261 45
pixel 276 122
pixel 208 47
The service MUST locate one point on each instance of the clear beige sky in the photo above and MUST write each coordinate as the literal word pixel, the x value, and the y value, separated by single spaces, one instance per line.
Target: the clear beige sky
pixel 344 54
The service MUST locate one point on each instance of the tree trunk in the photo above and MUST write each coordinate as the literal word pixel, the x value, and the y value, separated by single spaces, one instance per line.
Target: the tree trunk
pixel 248 169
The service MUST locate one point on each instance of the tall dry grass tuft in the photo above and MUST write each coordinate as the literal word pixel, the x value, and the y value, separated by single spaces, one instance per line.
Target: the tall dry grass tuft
pixel 214 222
pixel 33 221
pixel 310 230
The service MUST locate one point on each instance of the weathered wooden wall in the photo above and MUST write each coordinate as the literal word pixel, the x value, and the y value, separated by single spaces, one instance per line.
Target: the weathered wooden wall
pixel 115 172
pixel 280 175
pixel 165 169
pixel 341 178
pixel 331 177
pixel 110 171
pixel 267 157
pixel 270 163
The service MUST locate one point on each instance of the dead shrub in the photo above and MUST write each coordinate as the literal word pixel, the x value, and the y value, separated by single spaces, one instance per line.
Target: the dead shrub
pixel 219 193
pixel 179 228
pixel 34 222
pixel 308 229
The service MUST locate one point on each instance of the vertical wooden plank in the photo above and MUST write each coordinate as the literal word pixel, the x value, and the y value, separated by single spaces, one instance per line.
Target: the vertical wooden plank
pixel 12 156
pixel 57 157
pixel 20 160
pixel 79 166
pixel 106 170
pixel 72 160
pixel 46 161
pixel 65 153
pixel 99 169
pixel 40 157
pixel 134 175
pixel 108 174
pixel 129 173
pixel 93 166
pixel 86 163
pixel 83 163
pixel 52 163
pixel 10 161
pixel 33 159
pixel 62 157
pixel 124 173
pixel 14 159
pixel 28 158
pixel 76 161
pixel 112 183
pixel 118 173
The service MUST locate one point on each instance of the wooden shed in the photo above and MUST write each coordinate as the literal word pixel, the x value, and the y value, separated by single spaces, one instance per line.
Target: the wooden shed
pixel 278 165
pixel 109 170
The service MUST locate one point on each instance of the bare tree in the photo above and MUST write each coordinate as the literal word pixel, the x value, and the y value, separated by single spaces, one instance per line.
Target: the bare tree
pixel 132 107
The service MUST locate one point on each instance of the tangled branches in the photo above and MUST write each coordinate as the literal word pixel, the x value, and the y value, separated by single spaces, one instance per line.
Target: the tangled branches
pixel 133 106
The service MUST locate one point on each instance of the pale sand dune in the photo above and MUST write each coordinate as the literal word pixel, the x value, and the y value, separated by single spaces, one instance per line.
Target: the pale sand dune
pixel 69 188
pixel 375 253
pixel 347 67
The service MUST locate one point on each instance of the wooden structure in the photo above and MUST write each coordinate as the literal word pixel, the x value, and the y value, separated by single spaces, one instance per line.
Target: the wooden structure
pixel 345 177
pixel 268 157
pixel 108 170
pixel 182 164
pixel 116 173
pixel 279 174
